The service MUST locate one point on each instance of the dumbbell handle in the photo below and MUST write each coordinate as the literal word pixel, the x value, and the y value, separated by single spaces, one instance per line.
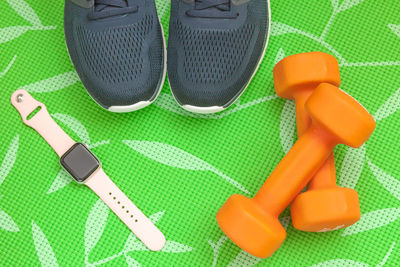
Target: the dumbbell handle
pixel 302 118
pixel 326 176
pixel 295 170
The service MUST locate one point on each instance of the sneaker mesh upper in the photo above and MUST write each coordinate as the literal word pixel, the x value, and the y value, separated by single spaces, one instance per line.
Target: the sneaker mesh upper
pixel 114 50
pixel 212 56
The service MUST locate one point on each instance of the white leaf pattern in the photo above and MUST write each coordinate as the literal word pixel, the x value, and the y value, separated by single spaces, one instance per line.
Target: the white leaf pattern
pixel 216 247
pixel 279 56
pixel 52 84
pixel 175 157
pixel 244 259
pixel 175 247
pixel 352 167
pixel 385 259
pixel 278 28
pixel 4 72
pixel 95 225
pixel 389 183
pixel 395 29
pixel 288 126
pixel 341 263
pixel 9 159
pixel 43 249
pixel 281 29
pixel 130 244
pixel 389 107
pixel 25 11
pixel 156 217
pixel 347 4
pixel 63 179
pixel 335 4
pixel 101 143
pixel 170 247
pixel 351 263
pixel 7 223
pixel 162 8
pixel 131 261
pixel 11 33
pixel 373 220
pixel 75 125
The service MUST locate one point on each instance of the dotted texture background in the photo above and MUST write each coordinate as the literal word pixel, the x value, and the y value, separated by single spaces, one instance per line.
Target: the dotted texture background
pixel 177 166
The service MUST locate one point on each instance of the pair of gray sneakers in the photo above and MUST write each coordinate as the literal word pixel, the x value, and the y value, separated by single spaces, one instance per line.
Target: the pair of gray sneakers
pixel 119 52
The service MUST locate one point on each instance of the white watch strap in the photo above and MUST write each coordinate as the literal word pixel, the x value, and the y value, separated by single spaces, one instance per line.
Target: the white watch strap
pixel 123 207
pixel 99 182
pixel 42 122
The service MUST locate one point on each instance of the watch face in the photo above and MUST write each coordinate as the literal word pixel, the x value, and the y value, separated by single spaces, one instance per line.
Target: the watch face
pixel 79 162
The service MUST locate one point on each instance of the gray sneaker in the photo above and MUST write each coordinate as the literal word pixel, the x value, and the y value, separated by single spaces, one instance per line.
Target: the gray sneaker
pixel 214 49
pixel 118 50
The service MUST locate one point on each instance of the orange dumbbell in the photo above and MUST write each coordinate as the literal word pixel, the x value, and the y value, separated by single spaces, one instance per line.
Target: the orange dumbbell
pixel 337 118
pixel 325 206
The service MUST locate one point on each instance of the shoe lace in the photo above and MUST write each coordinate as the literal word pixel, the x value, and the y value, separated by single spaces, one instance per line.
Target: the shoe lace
pixel 108 8
pixel 212 9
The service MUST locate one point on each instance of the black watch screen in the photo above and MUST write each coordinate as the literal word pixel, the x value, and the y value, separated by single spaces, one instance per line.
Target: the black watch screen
pixel 80 162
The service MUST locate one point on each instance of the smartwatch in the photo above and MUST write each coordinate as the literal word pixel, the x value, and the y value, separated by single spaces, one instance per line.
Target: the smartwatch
pixel 86 169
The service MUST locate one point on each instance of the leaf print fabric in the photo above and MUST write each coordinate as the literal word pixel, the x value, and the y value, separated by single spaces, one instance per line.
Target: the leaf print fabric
pixel 179 167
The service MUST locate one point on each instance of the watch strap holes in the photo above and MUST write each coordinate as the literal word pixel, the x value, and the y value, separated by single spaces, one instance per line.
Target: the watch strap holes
pixel 122 207
pixel 33 113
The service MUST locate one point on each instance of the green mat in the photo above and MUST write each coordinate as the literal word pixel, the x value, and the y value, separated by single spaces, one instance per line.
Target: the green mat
pixel 180 167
